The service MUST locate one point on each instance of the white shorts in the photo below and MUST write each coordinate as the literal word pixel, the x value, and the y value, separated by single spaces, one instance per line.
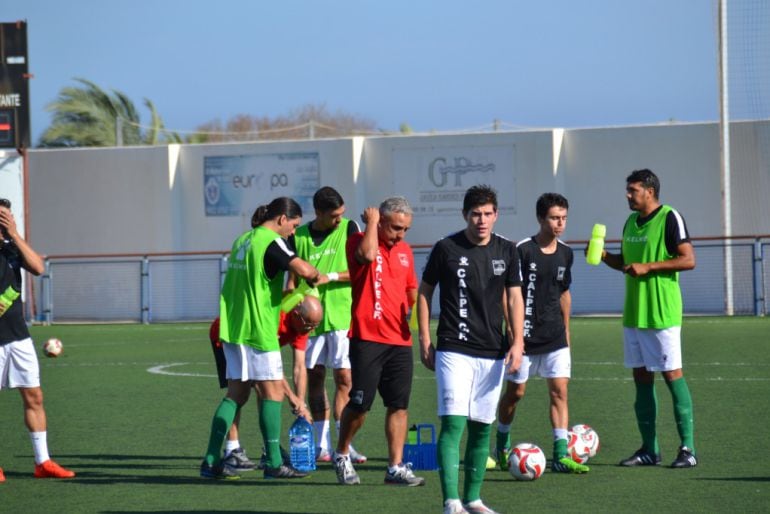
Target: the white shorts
pixel 18 365
pixel 330 349
pixel 468 386
pixel 556 364
pixel 246 363
pixel 654 349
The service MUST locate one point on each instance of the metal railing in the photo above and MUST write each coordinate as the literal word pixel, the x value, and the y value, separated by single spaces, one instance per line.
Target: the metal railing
pixel 185 287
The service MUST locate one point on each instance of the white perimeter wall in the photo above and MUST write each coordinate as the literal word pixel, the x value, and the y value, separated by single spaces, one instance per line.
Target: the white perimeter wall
pixel 151 199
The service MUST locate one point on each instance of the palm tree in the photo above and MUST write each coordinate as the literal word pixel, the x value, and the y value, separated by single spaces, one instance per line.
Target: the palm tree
pixel 86 115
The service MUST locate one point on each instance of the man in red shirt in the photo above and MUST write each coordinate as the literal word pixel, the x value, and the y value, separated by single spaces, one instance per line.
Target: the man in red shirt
pixel 294 329
pixel 384 288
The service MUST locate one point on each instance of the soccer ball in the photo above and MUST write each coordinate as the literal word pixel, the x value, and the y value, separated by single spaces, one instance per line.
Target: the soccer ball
pixel 583 443
pixel 52 347
pixel 590 437
pixel 526 461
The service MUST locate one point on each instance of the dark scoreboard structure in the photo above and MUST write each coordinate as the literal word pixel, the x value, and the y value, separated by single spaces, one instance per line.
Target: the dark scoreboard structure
pixel 14 86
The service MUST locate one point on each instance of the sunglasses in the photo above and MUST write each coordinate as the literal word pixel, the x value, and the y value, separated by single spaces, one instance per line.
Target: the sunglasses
pixel 306 325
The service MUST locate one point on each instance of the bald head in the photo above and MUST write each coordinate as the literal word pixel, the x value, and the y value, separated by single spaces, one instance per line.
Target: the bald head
pixel 307 314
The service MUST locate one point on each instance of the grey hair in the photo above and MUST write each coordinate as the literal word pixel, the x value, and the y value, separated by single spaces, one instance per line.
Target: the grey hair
pixel 395 205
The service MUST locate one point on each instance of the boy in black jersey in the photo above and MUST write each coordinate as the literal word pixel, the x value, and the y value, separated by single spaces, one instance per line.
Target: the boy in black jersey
pixel 476 269
pixel 546 265
pixel 19 368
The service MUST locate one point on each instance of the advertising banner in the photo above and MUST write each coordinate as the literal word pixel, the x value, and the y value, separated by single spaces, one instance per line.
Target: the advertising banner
pixel 435 179
pixel 235 185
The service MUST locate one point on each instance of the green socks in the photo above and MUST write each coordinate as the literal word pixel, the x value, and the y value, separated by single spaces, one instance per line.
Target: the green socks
pixel 220 425
pixel 503 440
pixel 476 453
pixel 646 408
pixel 448 455
pixel 559 449
pixel 270 426
pixel 682 400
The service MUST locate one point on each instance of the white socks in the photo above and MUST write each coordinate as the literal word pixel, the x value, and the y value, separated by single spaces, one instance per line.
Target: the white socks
pixel 40 446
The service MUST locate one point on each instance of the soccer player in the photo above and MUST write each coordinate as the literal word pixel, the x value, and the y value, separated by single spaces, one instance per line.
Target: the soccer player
pixel 655 248
pixel 19 368
pixel 249 312
pixel 293 330
pixel 478 274
pixel 321 242
pixel 546 265
pixel 384 288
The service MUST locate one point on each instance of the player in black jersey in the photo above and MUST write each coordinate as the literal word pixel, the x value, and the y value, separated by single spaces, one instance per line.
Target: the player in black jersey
pixel 476 270
pixel 546 265
pixel 19 368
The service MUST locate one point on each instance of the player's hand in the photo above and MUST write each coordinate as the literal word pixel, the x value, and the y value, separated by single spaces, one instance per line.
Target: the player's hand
pixel 303 411
pixel 8 223
pixel 428 356
pixel 513 358
pixel 637 269
pixel 371 215
pixel 3 308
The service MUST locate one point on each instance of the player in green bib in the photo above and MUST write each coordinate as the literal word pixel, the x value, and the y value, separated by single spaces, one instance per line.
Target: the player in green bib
pixel 655 248
pixel 321 242
pixel 249 318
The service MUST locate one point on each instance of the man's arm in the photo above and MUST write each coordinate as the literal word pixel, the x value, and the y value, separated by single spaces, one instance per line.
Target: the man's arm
pixel 298 407
pixel 613 260
pixel 516 322
pixel 30 259
pixel 427 350
pixel 367 249
pixel 305 270
pixel 565 301
pixel 299 374
pixel 685 260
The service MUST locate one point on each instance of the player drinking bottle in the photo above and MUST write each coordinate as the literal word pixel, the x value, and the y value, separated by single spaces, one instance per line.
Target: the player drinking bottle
pixel 292 299
pixel 8 297
pixel 596 245
pixel 302 445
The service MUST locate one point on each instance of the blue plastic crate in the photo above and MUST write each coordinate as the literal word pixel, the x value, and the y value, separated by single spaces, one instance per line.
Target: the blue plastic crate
pixel 422 455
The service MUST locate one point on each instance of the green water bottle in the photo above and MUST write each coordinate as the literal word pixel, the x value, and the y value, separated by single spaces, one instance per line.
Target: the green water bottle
pixel 596 245
pixel 411 437
pixel 292 299
pixel 8 297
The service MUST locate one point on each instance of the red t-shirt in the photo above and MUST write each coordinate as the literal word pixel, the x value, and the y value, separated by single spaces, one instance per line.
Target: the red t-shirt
pixel 286 335
pixel 380 302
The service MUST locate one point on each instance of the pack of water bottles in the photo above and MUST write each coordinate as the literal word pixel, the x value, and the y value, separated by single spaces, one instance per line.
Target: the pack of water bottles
pixel 302 445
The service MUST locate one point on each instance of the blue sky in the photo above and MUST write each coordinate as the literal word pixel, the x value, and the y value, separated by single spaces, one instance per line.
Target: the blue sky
pixel 437 65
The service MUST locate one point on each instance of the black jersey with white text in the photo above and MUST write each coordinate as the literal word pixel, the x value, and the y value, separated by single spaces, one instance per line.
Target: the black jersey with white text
pixel 12 324
pixel 471 281
pixel 544 277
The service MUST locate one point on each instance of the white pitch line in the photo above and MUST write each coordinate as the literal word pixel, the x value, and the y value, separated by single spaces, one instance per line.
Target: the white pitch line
pixel 161 370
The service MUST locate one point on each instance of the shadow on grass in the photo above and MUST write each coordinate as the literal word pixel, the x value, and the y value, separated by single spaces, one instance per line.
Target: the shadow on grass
pixel 123 457
pixel 205 510
pixel 737 479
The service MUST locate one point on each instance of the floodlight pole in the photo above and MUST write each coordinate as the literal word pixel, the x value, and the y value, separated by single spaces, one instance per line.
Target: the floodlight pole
pixel 724 139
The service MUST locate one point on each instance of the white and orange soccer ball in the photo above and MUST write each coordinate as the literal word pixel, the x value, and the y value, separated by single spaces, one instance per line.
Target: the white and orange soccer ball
pixel 52 347
pixel 526 461
pixel 583 443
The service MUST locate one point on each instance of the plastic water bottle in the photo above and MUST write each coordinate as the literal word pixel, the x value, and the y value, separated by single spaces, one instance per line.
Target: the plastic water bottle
pixel 302 445
pixel 411 435
pixel 8 297
pixel 292 299
pixel 596 244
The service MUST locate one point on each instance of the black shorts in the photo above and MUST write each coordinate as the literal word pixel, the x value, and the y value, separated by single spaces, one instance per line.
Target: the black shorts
pixel 380 367
pixel 219 357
